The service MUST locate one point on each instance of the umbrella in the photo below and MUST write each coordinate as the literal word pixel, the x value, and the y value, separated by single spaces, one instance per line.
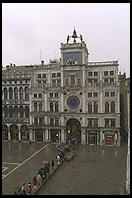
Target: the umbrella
pixel 45 162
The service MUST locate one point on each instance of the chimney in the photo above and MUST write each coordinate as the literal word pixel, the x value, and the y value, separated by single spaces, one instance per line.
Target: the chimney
pixel 42 62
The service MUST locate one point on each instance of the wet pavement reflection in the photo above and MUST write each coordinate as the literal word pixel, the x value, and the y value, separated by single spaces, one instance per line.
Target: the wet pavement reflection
pixel 95 170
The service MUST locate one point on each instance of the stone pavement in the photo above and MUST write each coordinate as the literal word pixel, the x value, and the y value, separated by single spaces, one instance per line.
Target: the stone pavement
pixel 94 170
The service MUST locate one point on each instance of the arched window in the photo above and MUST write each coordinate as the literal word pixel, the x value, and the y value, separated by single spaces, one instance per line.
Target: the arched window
pixel 51 106
pixel 106 107
pixel 40 107
pixel 95 107
pixel 15 93
pixel 5 111
pixel 21 93
pixel 35 107
pixel 26 93
pixel 15 112
pixel 56 107
pixel 27 112
pixel 10 93
pixel 90 107
pixel 5 93
pixel 112 107
pixel 10 111
pixel 21 112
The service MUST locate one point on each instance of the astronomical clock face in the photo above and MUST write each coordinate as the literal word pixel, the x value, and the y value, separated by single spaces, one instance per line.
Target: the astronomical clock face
pixel 72 58
pixel 73 102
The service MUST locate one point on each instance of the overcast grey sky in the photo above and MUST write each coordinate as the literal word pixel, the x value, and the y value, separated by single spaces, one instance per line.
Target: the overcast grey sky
pixel 28 28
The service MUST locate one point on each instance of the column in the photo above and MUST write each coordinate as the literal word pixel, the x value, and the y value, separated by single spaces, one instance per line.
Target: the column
pixel 62 77
pixel 19 133
pixel 43 135
pixel 30 135
pixel 46 135
pixel 83 137
pixel 46 103
pixel 62 102
pixel 101 102
pixel 84 103
pixel 118 139
pixel 63 136
pixel 9 135
pixel 101 137
pixel 83 76
pixel 49 135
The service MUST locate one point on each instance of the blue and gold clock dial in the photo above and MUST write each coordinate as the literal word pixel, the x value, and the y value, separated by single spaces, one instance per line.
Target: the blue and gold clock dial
pixel 73 102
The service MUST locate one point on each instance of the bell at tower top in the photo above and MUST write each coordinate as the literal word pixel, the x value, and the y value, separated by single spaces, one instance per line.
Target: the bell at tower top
pixel 74 36
pixel 75 51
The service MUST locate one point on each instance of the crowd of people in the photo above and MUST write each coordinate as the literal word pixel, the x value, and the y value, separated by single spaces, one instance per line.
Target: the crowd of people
pixel 46 169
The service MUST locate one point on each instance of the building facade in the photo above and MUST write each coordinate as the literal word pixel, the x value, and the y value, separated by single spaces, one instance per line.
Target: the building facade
pixel 15 102
pixel 75 98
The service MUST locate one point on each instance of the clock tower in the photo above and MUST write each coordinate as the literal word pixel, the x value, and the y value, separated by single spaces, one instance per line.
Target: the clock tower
pixel 75 51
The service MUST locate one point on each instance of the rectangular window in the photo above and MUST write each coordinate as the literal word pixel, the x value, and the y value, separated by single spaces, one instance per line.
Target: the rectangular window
pixel 56 122
pixel 39 81
pixel 58 74
pixel 56 95
pixel 112 94
pixel 105 73
pixel 54 82
pixel 95 73
pixel 90 73
pixel 89 95
pixel 39 75
pixel 113 122
pixel 89 122
pixel 95 122
pixel 53 75
pixel 111 73
pixel 95 94
pixel 105 80
pixel 89 80
pixel 35 95
pixel 79 82
pixel 40 95
pixel 72 80
pixel 106 94
pixel 44 81
pixel 51 95
pixel 66 82
pixel 51 121
pixel 35 121
pixel 41 120
pixel 59 82
pixel 44 75
pixel 95 80
pixel 111 79
pixel 106 122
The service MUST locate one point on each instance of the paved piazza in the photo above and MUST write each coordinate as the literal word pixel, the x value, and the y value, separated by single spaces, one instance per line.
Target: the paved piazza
pixel 94 170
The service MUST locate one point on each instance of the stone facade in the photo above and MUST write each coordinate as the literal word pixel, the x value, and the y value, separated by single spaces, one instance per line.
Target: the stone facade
pixel 75 98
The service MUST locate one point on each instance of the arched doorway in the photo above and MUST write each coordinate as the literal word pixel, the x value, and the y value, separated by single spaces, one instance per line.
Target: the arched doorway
pixel 24 133
pixel 4 132
pixel 14 132
pixel 73 130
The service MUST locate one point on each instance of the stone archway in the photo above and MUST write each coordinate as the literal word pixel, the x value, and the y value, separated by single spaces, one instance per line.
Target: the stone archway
pixel 4 132
pixel 14 132
pixel 24 133
pixel 73 130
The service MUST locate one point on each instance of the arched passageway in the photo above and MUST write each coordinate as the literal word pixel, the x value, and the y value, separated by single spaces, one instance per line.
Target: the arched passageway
pixel 14 132
pixel 73 130
pixel 4 132
pixel 24 133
